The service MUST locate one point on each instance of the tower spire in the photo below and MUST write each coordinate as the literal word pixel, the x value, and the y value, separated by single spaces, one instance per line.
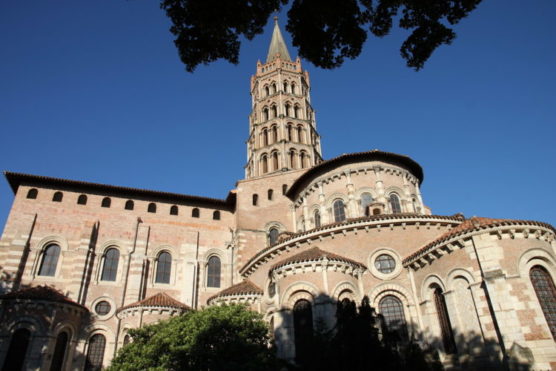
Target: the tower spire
pixel 277 45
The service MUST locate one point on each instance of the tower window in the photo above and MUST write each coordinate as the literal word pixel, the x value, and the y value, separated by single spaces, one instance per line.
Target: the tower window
pixel 106 202
pixel 269 193
pixel 284 188
pixel 274 134
pixel 292 159
pixel 151 208
pixel 82 200
pixel 173 210
pixel 395 203
pixel 274 111
pixel 299 134
pixel 317 219
pixel 32 193
pixel 255 199
pixel 275 164
pixel 57 197
pixel 293 88
pixel 195 213
pixel 366 201
pixel 129 205
pixel 216 215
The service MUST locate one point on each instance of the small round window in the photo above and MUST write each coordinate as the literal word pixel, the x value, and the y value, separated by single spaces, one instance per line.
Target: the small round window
pixel 102 308
pixel 385 263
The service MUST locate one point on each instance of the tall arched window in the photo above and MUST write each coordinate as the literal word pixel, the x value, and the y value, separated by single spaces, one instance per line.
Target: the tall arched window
pixel 339 211
pixel 151 208
pixel 274 111
pixel 366 201
pixel 213 272
pixel 163 267
pixel 303 329
pixel 284 188
pixel 265 137
pixel 285 86
pixel 267 91
pixel 173 210
pixel 60 348
pixel 288 110
pixel 95 353
pixel 216 215
pixel 105 202
pixel 82 200
pixel 32 193
pixel 546 293
pixel 49 260
pixel 395 203
pixel 274 134
pixel 264 162
pixel 265 114
pixel 444 320
pixel 391 309
pixel 273 236
pixel 302 157
pixel 129 205
pixel 195 213
pixel 289 128
pixel 293 88
pixel 273 88
pixel 292 159
pixel 57 197
pixel 15 357
pixel 297 112
pixel 300 134
pixel 275 165
pixel 110 264
pixel 317 219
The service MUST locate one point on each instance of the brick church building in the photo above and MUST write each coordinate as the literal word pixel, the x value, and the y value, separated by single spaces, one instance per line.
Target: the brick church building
pixel 82 263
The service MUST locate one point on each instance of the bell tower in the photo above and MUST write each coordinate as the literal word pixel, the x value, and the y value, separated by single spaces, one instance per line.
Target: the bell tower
pixel 282 129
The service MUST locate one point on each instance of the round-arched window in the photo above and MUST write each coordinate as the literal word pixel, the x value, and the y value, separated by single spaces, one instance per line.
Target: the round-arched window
pixel 102 308
pixel 385 263
pixel 273 236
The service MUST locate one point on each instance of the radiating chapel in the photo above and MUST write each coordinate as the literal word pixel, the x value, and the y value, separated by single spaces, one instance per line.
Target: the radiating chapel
pixel 83 263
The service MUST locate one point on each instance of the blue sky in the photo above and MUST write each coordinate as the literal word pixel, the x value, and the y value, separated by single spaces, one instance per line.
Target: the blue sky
pixel 95 91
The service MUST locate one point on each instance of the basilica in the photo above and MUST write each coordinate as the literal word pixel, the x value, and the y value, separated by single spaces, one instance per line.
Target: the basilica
pixel 83 263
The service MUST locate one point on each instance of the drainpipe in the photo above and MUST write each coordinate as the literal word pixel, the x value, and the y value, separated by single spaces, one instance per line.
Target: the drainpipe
pixel 194 287
pixel 125 282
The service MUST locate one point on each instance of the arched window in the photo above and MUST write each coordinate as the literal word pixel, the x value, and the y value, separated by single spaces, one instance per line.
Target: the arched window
pixel 300 134
pixel 284 188
pixel 57 197
pixel 273 236
pixel 216 215
pixel 82 200
pixel 195 213
pixel 302 159
pixel 274 111
pixel 106 201
pixel 285 86
pixel 151 208
pixel 173 210
pixel 49 260
pixel 292 159
pixel 366 201
pixel 395 203
pixel 293 88
pixel 110 264
pixel 303 329
pixel 255 199
pixel 546 293
pixel 15 357
pixel 95 353
pixel 265 137
pixel 273 88
pixel 269 194
pixel 275 164
pixel 274 134
pixel 289 127
pixel 129 205
pixel 213 272
pixel 32 193
pixel 391 309
pixel 127 339
pixel 264 162
pixel 339 211
pixel 267 91
pixel 265 114
pixel 317 219
pixel 297 112
pixel 288 110
pixel 444 320
pixel 59 352
pixel 163 267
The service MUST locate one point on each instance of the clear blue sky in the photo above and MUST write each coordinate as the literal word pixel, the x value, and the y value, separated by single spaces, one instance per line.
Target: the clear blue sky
pixel 95 91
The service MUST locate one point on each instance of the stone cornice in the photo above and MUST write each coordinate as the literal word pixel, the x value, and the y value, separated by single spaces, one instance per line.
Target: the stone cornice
pixel 132 311
pixel 501 229
pixel 330 230
pixel 317 265
pixel 236 298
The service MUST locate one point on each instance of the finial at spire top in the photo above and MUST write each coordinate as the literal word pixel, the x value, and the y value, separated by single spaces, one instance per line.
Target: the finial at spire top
pixel 275 19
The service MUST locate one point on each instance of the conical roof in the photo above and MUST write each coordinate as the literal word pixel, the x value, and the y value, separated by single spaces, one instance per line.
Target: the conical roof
pixel 277 45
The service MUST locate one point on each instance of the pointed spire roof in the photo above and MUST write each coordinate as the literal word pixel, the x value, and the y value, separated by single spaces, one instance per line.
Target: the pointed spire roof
pixel 277 45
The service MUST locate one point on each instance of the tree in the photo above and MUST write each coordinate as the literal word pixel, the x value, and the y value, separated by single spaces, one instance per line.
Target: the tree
pixel 217 338
pixel 324 31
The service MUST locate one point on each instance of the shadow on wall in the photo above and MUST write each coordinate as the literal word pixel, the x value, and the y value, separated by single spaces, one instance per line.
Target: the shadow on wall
pixel 361 339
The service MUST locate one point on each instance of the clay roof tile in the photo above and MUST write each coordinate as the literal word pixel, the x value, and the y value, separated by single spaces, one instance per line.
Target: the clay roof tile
pixel 159 300
pixel 315 254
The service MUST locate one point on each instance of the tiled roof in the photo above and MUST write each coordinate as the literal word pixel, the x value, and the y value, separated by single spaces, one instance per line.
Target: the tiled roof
pixel 243 288
pixel 17 179
pixel 374 155
pixel 161 299
pixel 40 293
pixel 471 224
pixel 315 254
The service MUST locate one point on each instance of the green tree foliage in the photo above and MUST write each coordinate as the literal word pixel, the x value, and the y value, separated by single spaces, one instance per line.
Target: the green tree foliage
pixel 217 338
pixel 324 31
